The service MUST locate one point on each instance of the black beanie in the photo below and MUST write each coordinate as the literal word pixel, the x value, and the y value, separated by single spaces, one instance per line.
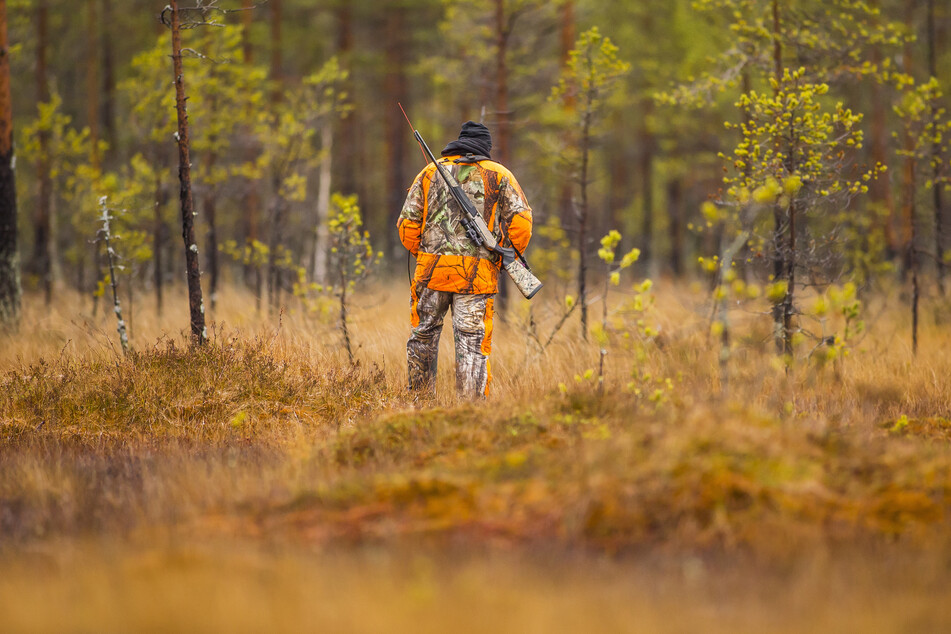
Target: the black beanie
pixel 473 139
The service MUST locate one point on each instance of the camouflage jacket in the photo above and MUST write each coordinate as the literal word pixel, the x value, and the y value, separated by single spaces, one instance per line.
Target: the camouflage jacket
pixel 431 228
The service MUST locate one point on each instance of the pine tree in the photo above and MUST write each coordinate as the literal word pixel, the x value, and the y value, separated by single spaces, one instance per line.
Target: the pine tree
pixel 10 291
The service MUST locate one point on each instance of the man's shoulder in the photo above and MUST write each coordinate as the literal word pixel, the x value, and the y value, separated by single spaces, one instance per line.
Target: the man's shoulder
pixel 498 168
pixel 427 172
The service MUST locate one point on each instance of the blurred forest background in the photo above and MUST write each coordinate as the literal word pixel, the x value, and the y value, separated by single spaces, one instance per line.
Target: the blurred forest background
pixel 827 120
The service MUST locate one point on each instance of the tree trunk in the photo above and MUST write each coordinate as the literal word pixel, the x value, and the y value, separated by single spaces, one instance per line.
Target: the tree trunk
pixel 92 81
pixel 252 197
pixel 909 176
pixel 277 206
pixel 247 18
pixel 10 292
pixel 678 232
pixel 343 312
pixel 936 190
pixel 779 246
pixel 348 163
pixel 913 254
pixel 108 113
pixel 567 43
pixel 322 233
pixel 567 30
pixel 582 216
pixel 909 204
pixel 790 278
pixel 196 307
pixel 646 169
pixel 777 43
pixel 158 230
pixel 277 235
pixel 880 189
pixel 503 140
pixel 210 208
pixel 277 74
pixel 396 92
pixel 42 226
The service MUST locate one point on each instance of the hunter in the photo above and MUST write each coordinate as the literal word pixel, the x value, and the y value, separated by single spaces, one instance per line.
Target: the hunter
pixel 452 272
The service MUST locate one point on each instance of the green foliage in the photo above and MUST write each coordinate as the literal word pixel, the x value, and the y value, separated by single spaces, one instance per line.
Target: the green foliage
pixel 70 156
pixel 832 39
pixel 149 96
pixel 553 258
pixel 794 150
pixel 927 128
pixel 590 76
pixel 254 253
pixel 227 100
pixel 352 254
pixel 352 259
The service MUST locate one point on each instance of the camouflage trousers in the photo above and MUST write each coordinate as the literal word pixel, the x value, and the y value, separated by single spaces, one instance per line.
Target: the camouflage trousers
pixel 472 334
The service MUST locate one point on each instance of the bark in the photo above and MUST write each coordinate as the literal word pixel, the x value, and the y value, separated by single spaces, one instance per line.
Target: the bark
pixel 646 169
pixel 940 221
pixel 780 253
pixel 278 213
pixel 567 43
pixel 42 225
pixel 108 113
pixel 913 256
pixel 880 190
pixel 777 42
pixel 322 232
pixel 252 197
pixel 503 134
pixel 113 281
pixel 158 231
pixel 395 87
pixel 567 30
pixel 790 278
pixel 92 81
pixel 10 292
pixel 196 308
pixel 277 206
pixel 277 216
pixel 343 314
pixel 678 233
pixel 582 217
pixel 247 17
pixel 349 142
pixel 909 206
pixel 744 252
pixel 210 209
pixel 277 61
pixel 908 170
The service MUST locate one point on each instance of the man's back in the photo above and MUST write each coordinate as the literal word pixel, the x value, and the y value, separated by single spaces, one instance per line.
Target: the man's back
pixel 431 228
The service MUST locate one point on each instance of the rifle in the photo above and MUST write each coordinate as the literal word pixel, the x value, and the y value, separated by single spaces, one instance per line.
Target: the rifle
pixel 476 229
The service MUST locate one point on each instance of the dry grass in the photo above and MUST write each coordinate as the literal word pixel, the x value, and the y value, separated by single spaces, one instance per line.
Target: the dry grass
pixel 243 587
pixel 267 436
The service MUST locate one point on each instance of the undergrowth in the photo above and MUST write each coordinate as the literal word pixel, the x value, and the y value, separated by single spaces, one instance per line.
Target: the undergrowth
pixel 253 437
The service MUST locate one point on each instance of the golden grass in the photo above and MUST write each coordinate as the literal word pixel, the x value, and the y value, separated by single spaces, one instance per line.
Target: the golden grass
pixel 268 437
pixel 244 587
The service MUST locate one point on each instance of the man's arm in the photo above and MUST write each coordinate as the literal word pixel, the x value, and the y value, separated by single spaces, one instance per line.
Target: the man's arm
pixel 516 215
pixel 413 215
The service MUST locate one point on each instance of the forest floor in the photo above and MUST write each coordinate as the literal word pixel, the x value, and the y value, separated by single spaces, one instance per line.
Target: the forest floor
pixel 262 482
